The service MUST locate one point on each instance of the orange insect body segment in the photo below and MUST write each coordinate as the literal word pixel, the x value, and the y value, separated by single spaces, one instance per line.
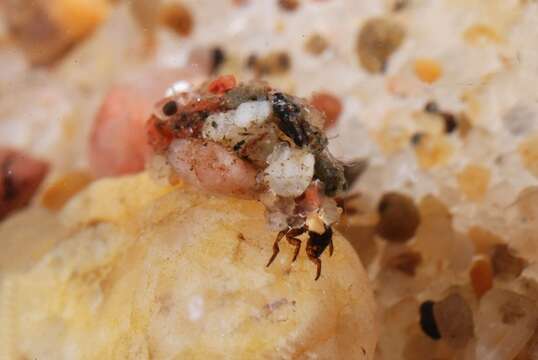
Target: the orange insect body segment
pixel 222 84
pixel 210 104
pixel 312 197
pixel 159 138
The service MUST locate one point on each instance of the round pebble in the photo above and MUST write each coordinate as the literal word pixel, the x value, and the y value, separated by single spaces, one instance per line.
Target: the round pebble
pixel 378 39
pixel 398 217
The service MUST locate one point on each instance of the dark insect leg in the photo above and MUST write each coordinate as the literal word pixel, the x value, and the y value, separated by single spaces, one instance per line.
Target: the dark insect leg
pixel 331 247
pixel 313 254
pixel 297 231
pixel 317 243
pixel 297 243
pixel 316 261
pixel 291 237
pixel 276 249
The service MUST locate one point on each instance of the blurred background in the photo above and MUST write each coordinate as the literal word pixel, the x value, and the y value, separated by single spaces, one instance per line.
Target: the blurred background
pixel 439 95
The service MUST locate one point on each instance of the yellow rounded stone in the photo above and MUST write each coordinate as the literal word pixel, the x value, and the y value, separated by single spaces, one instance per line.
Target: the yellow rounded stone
pixel 182 276
pixel 428 70
pixel 474 181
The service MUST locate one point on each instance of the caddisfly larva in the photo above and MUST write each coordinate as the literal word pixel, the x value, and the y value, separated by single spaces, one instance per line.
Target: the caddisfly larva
pixel 252 141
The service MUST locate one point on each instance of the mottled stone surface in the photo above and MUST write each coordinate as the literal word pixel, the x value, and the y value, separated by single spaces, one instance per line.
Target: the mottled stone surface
pixel 152 272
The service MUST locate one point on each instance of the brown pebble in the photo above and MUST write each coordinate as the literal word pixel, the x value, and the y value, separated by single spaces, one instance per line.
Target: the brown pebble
pixel 400 5
pixel 450 121
pixel 481 276
pixel 289 5
pixel 505 264
pixel 454 319
pixel 378 39
pixel 178 18
pixel 329 105
pixel 398 217
pixel 316 44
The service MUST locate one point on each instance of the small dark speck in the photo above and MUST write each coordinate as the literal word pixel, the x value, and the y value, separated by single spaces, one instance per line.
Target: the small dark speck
pixel 416 138
pixel 251 60
pixel 170 108
pixel 450 123
pixel 431 107
pixel 450 120
pixel 427 320
pixel 214 124
pixel 218 57
pixel 238 145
